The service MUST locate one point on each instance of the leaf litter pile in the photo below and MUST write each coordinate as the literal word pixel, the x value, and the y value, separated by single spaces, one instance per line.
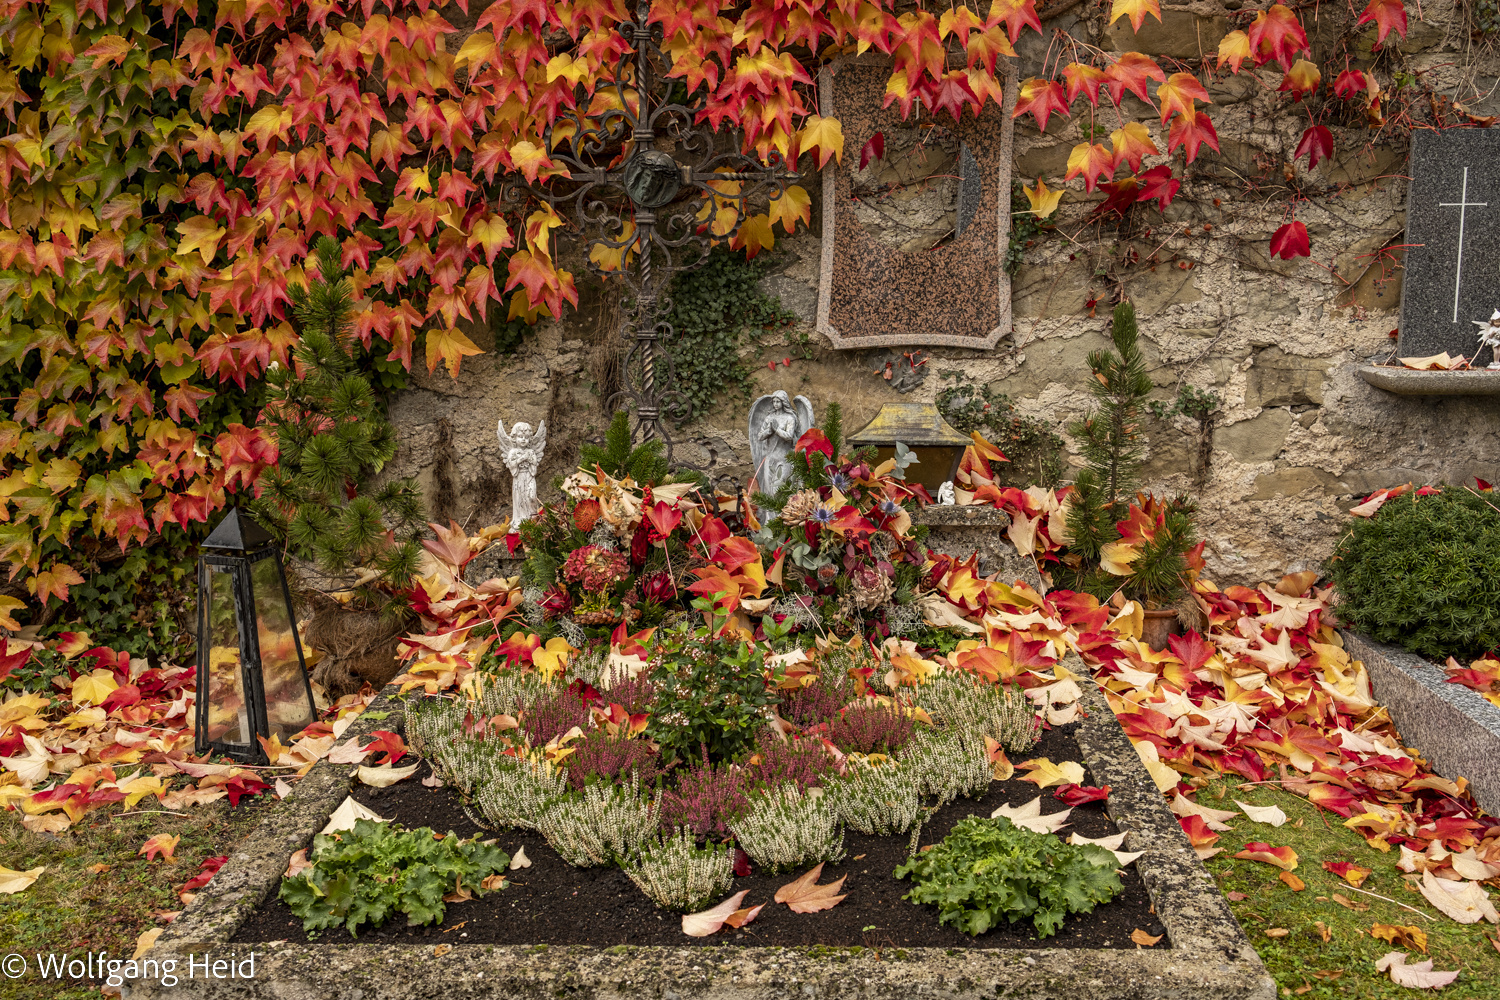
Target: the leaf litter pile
pixel 853 902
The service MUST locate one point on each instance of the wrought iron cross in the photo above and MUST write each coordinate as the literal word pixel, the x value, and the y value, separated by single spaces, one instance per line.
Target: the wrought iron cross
pixel 656 207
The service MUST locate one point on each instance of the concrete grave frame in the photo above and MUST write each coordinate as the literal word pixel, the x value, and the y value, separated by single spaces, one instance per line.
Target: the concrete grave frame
pixel 1450 725
pixel 1209 956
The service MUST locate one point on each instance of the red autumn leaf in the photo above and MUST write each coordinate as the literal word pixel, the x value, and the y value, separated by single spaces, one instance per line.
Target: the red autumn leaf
pixel 1316 145
pixel 1077 795
pixel 1158 183
pixel 1354 874
pixel 1177 94
pixel 742 867
pixel 1291 241
pixel 159 845
pixel 815 440
pixel 11 660
pixel 1131 72
pixel 388 743
pixel 664 519
pixel 1282 857
pixel 1387 14
pixel 1334 798
pixel 1122 194
pixel 205 874
pixel 953 94
pixel 1350 82
pixel 874 149
pixel 1277 34
pixel 242 785
pixel 1041 98
pixel 1191 131
pixel 1302 79
pixel 1084 79
pixel 1092 161
pixel 1196 828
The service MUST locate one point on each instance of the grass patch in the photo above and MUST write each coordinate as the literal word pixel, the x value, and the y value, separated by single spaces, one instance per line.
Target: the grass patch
pixel 71 909
pixel 1302 962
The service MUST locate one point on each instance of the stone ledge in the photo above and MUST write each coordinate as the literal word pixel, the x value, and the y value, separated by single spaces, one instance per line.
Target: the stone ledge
pixel 1209 956
pixel 1409 382
pixel 971 516
pixel 1450 725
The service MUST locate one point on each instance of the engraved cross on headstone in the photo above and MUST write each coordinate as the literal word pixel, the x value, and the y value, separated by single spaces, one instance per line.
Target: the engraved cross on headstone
pixel 1452 269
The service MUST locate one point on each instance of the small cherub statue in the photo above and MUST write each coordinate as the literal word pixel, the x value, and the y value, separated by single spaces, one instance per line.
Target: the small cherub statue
pixel 521 450
pixel 1489 336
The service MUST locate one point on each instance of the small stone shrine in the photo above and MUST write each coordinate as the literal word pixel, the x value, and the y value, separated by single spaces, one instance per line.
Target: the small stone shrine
pixel 1452 283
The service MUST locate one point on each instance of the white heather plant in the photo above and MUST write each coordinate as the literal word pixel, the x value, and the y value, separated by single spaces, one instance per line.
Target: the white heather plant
pixel 786 827
pixel 504 693
pixel 512 791
pixel 875 798
pixel 432 723
pixel 948 763
pixel 676 874
pixel 1000 711
pixel 601 824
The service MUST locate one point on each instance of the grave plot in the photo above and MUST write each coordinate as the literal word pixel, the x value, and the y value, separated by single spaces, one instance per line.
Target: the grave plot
pixel 535 937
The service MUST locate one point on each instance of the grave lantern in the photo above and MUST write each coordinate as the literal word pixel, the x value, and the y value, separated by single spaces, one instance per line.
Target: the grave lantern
pixel 920 427
pixel 252 680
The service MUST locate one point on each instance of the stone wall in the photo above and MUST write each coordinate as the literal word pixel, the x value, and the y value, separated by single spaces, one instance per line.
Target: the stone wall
pixel 1299 435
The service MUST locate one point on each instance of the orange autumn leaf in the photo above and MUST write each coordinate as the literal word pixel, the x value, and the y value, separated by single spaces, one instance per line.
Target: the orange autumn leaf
pixel 1282 857
pixel 160 845
pixel 1351 873
pixel 804 895
pixel 1293 882
pixel 1136 10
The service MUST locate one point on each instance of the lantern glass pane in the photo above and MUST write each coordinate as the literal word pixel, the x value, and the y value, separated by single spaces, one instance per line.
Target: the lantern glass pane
pixel 228 715
pixel 933 468
pixel 288 709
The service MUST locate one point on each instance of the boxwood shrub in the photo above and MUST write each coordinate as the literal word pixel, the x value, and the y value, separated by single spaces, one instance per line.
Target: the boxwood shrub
pixel 1424 573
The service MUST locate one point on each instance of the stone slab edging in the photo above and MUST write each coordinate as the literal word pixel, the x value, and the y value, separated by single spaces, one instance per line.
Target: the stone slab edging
pixel 1453 727
pixel 1209 957
pixel 1410 382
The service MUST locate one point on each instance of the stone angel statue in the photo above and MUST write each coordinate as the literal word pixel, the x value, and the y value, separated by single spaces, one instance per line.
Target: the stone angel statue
pixel 1489 336
pixel 521 450
pixel 776 422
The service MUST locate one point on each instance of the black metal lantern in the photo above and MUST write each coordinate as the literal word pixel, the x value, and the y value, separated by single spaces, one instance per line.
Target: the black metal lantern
pixel 252 679
pixel 920 427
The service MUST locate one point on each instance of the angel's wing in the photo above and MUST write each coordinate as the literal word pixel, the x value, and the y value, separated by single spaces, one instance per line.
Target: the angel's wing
pixel 758 411
pixel 804 409
pixel 539 439
pixel 506 441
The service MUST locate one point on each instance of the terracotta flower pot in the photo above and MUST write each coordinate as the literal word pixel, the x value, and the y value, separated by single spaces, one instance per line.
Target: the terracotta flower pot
pixel 1158 625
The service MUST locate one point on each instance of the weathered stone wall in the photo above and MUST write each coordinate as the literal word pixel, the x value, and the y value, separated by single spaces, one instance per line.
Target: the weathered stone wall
pixel 1299 434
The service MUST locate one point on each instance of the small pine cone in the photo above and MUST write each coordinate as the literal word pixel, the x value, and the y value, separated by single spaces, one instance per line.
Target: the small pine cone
pixel 799 508
pixel 586 514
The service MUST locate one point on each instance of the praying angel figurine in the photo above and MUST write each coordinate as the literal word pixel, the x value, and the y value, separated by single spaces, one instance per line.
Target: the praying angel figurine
pixel 1489 336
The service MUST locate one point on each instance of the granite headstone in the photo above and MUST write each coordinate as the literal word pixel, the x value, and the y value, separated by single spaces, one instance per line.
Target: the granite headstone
pixel 872 293
pixel 1452 281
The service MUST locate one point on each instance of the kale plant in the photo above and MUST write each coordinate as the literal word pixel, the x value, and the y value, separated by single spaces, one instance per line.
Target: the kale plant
pixel 988 869
pixel 376 870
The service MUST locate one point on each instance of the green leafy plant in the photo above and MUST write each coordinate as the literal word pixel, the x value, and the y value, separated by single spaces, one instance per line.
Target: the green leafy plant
pixel 376 870
pixel 987 870
pixel 333 434
pixel 1034 449
pixel 711 691
pixel 1424 573
pixel 712 308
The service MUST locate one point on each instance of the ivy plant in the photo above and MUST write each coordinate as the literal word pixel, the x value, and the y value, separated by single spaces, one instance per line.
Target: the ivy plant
pixel 987 870
pixel 374 871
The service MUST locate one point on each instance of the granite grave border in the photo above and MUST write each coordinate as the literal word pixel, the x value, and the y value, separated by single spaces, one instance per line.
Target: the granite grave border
pixel 1453 727
pixel 1209 954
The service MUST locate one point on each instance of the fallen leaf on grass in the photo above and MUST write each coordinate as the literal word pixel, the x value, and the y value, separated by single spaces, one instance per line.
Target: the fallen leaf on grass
pixel 1277 932
pixel 1292 881
pixel 12 881
pixel 282 788
pixel 1350 904
pixel 805 896
pixel 145 941
pixel 709 921
pixel 384 777
pixel 296 864
pixel 1401 935
pixel 1045 774
pixel 1328 974
pixel 1236 896
pixel 1465 902
pixel 1212 818
pixel 348 812
pixel 160 845
pixel 98 869
pixel 1282 857
pixel 1421 976
pixel 1143 939
pixel 1470 866
pixel 519 859
pixel 1351 873
pixel 1030 817
pixel 47 823
pixel 1270 815
pixel 1323 932
pixel 441 950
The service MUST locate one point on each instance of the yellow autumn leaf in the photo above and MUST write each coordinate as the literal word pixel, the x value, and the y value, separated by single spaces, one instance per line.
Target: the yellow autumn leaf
pixel 1116 557
pixel 1045 774
pixel 7 605
pixel 12 881
pixel 92 688
pixel 449 346
pixel 792 205
pixel 1043 202
pixel 613 258
pixel 552 657
pixel 826 135
pixel 201 234
pixel 138 788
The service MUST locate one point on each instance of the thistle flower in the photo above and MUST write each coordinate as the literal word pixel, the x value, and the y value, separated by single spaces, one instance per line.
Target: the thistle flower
pixel 821 515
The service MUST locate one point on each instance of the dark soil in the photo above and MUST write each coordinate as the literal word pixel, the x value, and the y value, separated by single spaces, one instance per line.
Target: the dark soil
pixel 554 903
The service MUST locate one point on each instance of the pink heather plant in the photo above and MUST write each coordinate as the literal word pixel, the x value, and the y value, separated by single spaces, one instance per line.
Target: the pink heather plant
pixel 800 760
pixel 553 714
pixel 600 755
pixel 706 800
pixel 871 728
